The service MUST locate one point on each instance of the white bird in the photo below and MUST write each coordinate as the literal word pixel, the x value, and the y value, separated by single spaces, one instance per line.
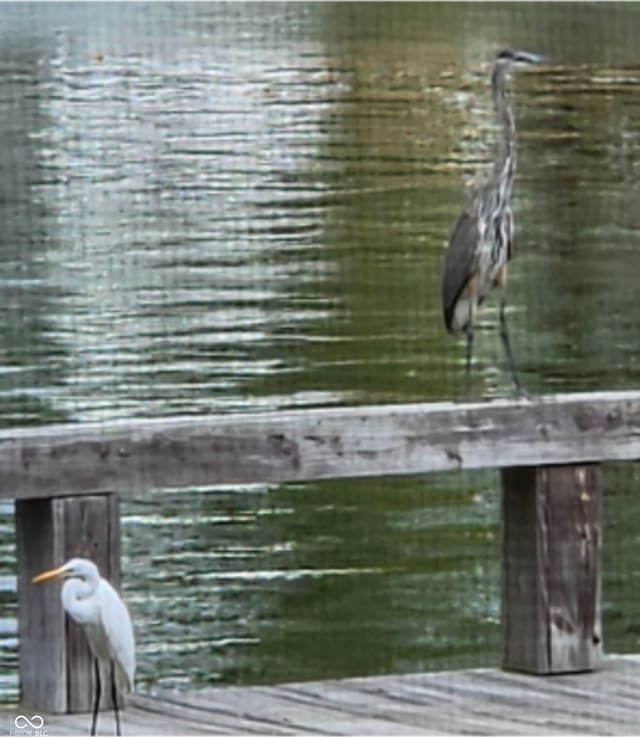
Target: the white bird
pixel 97 607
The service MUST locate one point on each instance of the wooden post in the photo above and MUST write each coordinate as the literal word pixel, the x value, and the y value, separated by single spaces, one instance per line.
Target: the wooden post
pixel 551 548
pixel 56 668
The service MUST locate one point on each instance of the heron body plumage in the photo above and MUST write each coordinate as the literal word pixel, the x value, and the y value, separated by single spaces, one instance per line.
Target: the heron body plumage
pixel 480 245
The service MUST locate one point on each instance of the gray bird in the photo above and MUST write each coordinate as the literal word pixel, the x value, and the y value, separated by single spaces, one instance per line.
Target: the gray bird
pixel 476 258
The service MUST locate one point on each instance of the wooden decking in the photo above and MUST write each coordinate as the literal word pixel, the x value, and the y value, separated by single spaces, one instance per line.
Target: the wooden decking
pixel 65 481
pixel 480 701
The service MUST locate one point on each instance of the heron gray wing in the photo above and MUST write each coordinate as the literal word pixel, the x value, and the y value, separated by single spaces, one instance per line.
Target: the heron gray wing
pixel 459 261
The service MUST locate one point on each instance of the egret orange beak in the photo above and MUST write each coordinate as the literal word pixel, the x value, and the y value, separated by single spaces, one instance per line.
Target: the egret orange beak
pixel 49 575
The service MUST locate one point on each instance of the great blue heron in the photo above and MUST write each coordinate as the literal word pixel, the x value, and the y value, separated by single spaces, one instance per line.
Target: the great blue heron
pixel 476 258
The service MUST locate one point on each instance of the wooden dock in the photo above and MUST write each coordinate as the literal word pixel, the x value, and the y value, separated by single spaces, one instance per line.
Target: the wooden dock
pixel 66 481
pixel 482 701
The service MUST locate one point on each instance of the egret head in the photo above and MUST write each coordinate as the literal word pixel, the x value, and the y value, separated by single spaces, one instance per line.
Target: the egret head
pixel 74 568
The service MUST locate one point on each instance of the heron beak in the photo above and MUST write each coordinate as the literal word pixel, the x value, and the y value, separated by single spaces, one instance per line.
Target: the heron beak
pixel 49 575
pixel 527 58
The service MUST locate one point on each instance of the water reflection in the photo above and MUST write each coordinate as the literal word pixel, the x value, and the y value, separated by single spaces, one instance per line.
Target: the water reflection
pixel 183 225
pixel 243 206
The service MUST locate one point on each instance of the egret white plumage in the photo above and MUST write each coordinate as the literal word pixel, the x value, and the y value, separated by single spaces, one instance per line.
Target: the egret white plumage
pixel 95 605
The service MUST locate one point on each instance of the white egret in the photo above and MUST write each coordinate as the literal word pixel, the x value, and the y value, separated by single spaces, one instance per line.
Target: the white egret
pixel 97 607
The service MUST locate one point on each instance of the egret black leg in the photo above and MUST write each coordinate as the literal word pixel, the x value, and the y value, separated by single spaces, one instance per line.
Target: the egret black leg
pixel 96 701
pixel 504 334
pixel 114 696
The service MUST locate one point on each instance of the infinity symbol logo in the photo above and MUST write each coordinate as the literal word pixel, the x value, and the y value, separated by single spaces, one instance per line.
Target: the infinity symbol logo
pixel 35 722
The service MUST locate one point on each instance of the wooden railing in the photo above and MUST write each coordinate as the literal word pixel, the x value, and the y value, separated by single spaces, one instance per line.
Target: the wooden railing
pixel 66 480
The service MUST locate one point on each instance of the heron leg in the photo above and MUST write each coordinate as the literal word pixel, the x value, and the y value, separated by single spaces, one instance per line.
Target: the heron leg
pixel 504 334
pixel 114 696
pixel 96 701
pixel 467 373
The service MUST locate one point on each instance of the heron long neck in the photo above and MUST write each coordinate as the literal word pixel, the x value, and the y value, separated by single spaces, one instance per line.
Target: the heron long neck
pixel 506 163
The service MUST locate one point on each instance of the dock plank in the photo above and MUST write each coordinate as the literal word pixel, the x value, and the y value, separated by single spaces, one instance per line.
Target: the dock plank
pixel 481 701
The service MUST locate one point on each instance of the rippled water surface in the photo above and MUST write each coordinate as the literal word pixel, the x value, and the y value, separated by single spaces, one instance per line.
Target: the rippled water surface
pixel 230 207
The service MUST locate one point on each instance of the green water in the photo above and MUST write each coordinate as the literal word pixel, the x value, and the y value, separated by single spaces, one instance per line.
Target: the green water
pixel 231 207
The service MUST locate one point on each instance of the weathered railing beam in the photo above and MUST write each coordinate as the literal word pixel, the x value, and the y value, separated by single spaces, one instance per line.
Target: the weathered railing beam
pixel 313 444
